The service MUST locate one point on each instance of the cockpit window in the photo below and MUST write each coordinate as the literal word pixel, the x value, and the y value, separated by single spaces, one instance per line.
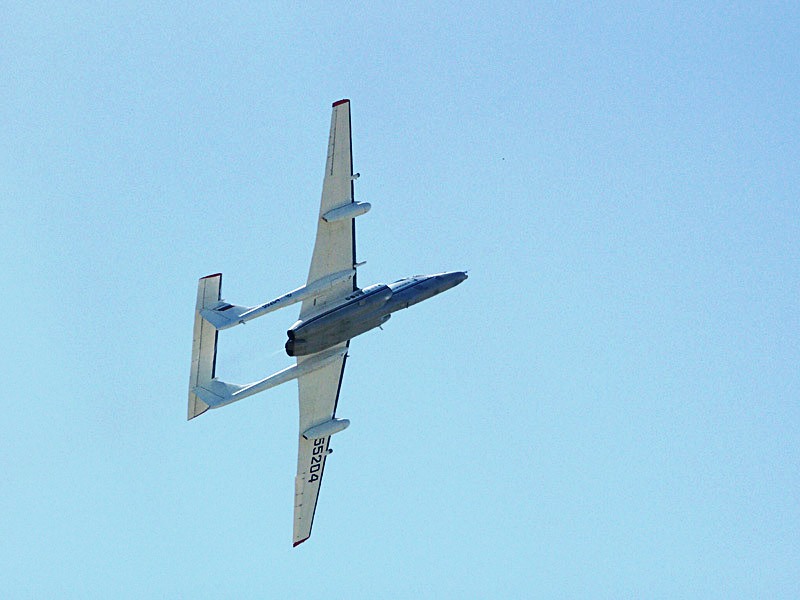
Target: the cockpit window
pixel 402 284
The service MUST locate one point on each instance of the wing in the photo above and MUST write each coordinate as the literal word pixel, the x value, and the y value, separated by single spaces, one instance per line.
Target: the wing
pixel 335 246
pixel 319 395
pixel 334 252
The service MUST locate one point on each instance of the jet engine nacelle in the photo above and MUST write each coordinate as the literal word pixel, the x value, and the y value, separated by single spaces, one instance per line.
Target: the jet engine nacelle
pixel 325 339
pixel 361 305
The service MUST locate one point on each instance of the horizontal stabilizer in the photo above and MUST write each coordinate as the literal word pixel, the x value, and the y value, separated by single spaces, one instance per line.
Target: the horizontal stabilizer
pixel 217 393
pixel 223 315
pixel 204 343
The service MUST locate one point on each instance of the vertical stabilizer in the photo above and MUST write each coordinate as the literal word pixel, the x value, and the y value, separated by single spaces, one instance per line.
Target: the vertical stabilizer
pixel 204 342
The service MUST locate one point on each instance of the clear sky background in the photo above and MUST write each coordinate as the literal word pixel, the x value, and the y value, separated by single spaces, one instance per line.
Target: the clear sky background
pixel 607 408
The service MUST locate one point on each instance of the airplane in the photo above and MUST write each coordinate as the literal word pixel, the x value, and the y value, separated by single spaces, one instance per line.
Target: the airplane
pixel 333 311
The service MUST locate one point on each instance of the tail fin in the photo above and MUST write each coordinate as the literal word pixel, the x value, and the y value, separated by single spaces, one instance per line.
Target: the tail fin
pixel 204 342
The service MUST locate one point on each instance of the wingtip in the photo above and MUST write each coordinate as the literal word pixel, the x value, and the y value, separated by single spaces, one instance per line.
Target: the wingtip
pixel 296 544
pixel 197 414
pixel 342 101
pixel 212 275
pixel 196 408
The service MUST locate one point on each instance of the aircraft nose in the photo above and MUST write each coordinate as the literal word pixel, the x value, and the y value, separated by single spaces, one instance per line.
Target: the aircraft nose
pixel 453 278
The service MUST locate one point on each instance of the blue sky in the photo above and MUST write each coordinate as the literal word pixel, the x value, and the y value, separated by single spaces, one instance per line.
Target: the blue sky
pixel 608 408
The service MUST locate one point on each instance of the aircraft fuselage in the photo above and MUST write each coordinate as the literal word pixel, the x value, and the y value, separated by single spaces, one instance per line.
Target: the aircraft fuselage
pixel 364 310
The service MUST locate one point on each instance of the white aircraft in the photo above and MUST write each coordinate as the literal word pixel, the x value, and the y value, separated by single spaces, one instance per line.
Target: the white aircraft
pixel 334 310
